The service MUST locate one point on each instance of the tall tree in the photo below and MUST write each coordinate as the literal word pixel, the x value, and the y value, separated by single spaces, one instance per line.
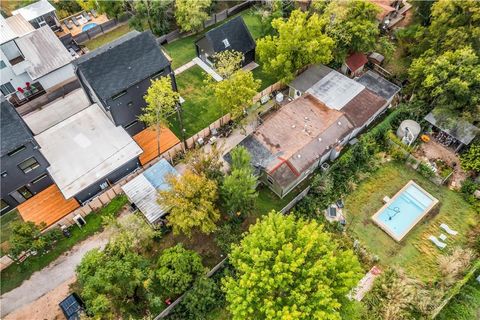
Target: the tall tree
pixel 470 160
pixel 289 269
pixel 112 8
pixel 156 14
pixel 227 62
pixel 238 192
pixel 300 41
pixel 191 14
pixel 206 163
pixel 450 81
pixel 162 101
pixel 241 158
pixel 352 25
pixel 236 93
pixel 178 268
pixel 192 200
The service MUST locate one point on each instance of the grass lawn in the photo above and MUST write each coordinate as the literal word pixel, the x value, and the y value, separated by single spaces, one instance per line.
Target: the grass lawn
pixel 183 50
pixel 14 275
pixel 466 304
pixel 267 79
pixel 5 231
pixel 415 253
pixel 199 108
pixel 107 37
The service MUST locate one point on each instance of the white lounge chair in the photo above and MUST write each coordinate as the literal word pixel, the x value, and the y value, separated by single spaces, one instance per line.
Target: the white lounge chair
pixel 437 242
pixel 442 237
pixel 386 199
pixel 448 230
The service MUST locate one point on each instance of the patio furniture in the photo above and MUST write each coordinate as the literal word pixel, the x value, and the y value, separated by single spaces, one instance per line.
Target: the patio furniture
pixel 437 242
pixel 386 199
pixel 68 24
pixel 94 13
pixel 75 21
pixel 332 212
pixel 86 16
pixel 448 230
pixel 442 237
pixel 340 203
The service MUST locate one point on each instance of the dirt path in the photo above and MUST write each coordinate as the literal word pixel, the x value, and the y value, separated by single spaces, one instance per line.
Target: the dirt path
pixel 49 278
pixel 46 307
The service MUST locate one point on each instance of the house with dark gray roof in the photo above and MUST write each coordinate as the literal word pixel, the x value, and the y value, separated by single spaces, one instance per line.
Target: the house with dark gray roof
pixel 23 167
pixel 379 85
pixel 117 75
pixel 232 35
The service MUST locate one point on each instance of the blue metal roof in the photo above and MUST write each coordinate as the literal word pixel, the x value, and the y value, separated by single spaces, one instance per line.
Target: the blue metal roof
pixel 158 173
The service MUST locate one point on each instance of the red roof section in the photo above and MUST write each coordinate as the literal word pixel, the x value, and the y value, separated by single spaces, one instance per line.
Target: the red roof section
pixel 355 61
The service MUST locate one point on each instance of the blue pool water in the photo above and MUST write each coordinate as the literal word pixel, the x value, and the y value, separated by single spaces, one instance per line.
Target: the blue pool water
pixel 89 26
pixel 401 214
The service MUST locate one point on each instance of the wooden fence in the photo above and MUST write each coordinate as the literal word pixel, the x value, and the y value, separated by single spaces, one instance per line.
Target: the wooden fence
pixel 99 30
pixel 269 90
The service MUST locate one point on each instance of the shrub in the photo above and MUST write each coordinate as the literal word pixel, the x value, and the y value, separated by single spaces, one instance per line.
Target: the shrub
pixel 452 266
pixel 425 170
pixel 228 233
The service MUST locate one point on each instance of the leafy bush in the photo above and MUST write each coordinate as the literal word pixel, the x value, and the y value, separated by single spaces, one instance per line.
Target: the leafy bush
pixel 468 188
pixel 425 170
pixel 228 233
pixel 27 236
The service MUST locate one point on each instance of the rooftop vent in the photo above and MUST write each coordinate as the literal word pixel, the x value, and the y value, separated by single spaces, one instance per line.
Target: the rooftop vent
pixel 339 123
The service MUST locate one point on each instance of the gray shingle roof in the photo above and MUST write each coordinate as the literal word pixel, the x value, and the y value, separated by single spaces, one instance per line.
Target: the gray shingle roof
pixel 309 77
pixel 237 34
pixel 122 63
pixel 376 83
pixel 13 131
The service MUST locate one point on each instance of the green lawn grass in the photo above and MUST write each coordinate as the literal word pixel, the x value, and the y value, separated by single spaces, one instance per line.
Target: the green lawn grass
pixel 107 37
pixel 466 304
pixel 415 253
pixel 14 275
pixel 5 223
pixel 199 108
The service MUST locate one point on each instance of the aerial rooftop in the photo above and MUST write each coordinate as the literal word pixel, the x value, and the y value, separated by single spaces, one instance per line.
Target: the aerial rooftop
pixel 13 131
pixel 35 10
pixel 122 63
pixel 13 27
pixel 378 84
pixel 85 148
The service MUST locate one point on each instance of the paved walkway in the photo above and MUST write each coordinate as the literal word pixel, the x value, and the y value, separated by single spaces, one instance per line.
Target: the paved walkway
pixel 207 69
pixel 186 66
pixel 49 278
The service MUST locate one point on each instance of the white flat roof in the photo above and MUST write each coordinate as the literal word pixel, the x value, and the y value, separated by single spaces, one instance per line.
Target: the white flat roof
pixel 35 10
pixel 14 27
pixel 44 51
pixel 57 111
pixel 335 90
pixel 85 148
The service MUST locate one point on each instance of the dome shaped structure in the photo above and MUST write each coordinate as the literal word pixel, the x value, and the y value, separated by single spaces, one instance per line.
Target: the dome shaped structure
pixel 408 131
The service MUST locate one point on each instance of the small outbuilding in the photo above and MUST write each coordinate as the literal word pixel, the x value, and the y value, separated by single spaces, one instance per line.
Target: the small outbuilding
pixel 142 191
pixel 354 64
pixel 232 35
pixel 39 14
pixel 458 132
pixel 408 131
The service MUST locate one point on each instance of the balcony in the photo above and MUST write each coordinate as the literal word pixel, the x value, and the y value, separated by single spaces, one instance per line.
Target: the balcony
pixel 29 93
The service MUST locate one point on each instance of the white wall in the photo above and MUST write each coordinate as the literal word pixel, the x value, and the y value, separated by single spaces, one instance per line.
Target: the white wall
pixel 7 75
pixel 58 76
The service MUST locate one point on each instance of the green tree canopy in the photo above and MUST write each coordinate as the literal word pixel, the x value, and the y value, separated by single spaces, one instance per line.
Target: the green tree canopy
pixel 177 270
pixel 289 269
pixel 470 160
pixel 190 14
pixel 238 191
pixel 451 81
pixel 300 41
pixel 207 163
pixel 353 26
pixel 241 158
pixel 156 14
pixel 192 200
pixel 114 284
pixel 236 93
pixel 227 62
pixel 162 101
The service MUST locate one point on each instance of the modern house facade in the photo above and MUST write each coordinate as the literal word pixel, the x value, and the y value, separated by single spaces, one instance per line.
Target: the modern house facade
pixel 233 35
pixel 117 76
pixel 23 167
pixel 34 62
pixel 39 14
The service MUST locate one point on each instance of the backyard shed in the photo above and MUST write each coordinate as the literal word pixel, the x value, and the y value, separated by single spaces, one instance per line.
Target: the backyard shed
pixel 354 64
pixel 461 131
pixel 232 35
pixel 142 191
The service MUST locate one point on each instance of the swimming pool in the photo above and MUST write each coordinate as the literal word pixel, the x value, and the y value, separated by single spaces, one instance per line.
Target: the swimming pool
pixel 89 26
pixel 399 215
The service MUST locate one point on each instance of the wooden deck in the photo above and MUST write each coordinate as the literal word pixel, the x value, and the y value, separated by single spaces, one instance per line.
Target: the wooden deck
pixel 47 206
pixel 147 140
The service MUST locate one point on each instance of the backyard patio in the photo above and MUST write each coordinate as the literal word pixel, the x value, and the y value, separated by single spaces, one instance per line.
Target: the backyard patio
pixel 415 253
